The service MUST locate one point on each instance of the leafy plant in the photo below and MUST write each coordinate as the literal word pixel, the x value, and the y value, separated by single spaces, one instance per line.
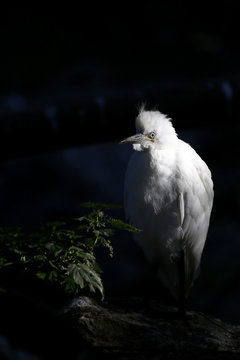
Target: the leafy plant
pixel 63 251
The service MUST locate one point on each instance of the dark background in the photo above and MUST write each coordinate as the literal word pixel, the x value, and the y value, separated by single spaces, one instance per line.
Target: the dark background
pixel 71 82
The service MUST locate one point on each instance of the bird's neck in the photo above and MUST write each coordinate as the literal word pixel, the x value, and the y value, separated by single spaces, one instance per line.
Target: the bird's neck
pixel 153 148
pixel 162 158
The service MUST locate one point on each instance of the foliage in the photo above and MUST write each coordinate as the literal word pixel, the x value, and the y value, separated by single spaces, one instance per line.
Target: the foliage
pixel 63 251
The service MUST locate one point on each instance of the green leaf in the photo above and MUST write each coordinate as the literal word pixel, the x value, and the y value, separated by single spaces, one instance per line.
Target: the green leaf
pixel 3 261
pixel 63 251
pixel 92 278
pixel 75 271
pixel 87 204
pixel 53 225
pixel 53 265
pixel 53 249
pixel 41 275
pixel 53 275
pixel 23 258
pixel 81 254
pixel 84 276
pixel 97 268
pixel 82 218
pixel 87 273
pixel 69 285
pixel 41 258
pixel 93 286
pixel 96 233
pixel 123 226
pixel 108 232
pixel 88 240
pixel 50 246
pixel 80 227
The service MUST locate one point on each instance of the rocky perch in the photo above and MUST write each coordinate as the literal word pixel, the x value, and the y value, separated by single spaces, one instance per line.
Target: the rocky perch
pixel 128 329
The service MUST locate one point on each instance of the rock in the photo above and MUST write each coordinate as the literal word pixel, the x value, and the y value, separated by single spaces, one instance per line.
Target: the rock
pixel 127 329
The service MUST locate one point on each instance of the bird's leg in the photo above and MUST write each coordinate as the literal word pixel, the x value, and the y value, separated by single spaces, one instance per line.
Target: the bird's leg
pixel 182 280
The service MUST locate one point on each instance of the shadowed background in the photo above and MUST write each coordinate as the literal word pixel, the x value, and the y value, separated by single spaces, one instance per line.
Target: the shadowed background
pixel 71 82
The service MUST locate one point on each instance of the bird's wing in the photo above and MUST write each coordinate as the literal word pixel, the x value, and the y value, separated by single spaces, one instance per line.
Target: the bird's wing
pixel 195 205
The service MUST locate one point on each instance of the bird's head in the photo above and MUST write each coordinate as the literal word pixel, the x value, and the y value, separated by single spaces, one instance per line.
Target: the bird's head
pixel 154 130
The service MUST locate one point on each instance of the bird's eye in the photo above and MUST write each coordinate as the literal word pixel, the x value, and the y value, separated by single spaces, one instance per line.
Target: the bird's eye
pixel 152 135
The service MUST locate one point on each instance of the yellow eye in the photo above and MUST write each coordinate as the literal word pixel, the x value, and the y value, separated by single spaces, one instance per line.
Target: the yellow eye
pixel 152 135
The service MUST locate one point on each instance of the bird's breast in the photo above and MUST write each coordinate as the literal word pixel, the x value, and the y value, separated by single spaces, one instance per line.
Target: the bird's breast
pixel 160 185
pixel 150 183
pixel 151 201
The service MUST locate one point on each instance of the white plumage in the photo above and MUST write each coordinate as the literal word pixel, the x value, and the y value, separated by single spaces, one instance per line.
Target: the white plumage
pixel 169 196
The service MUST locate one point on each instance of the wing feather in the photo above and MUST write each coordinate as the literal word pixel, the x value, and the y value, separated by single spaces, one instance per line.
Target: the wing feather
pixel 197 200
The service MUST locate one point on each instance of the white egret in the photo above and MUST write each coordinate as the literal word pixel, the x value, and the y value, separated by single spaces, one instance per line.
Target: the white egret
pixel 169 195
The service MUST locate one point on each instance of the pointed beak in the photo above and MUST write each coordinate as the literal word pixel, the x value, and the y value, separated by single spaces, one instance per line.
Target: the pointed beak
pixel 135 139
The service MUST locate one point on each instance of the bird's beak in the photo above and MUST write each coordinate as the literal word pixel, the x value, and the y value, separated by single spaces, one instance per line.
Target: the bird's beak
pixel 135 139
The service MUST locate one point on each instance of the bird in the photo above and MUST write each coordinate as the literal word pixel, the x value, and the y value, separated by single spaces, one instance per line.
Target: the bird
pixel 168 196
